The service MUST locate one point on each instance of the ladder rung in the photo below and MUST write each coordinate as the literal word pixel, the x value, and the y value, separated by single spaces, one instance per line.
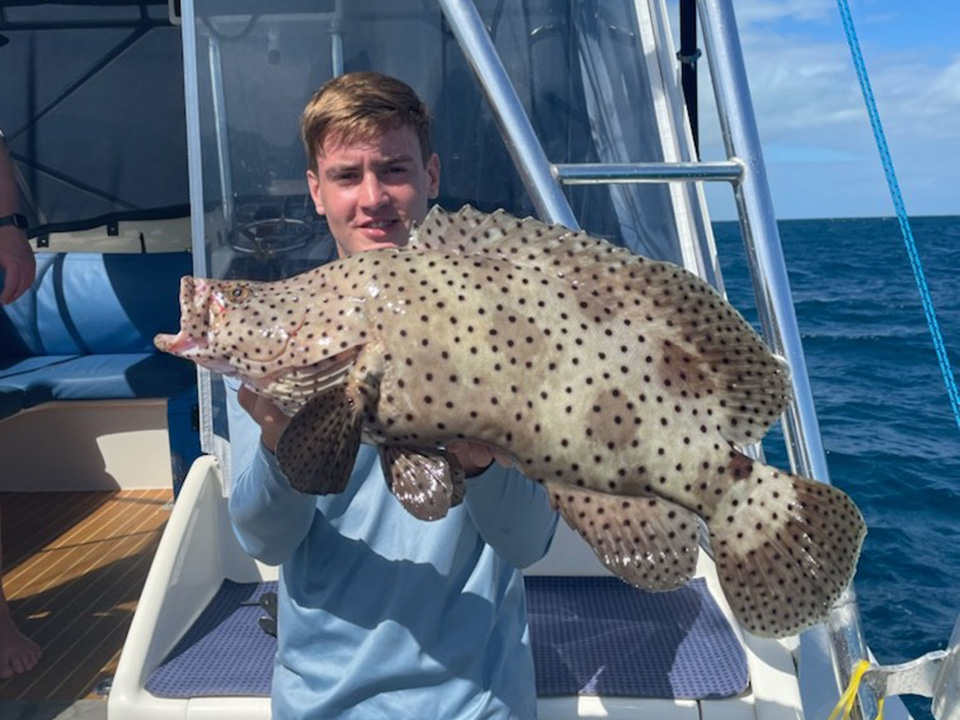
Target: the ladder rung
pixel 603 173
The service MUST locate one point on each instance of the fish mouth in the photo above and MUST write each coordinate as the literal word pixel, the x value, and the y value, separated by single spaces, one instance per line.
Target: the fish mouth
pixel 182 344
pixel 201 308
pixel 191 348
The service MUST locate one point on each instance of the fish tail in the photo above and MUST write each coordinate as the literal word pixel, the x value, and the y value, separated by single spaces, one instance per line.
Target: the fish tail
pixel 785 547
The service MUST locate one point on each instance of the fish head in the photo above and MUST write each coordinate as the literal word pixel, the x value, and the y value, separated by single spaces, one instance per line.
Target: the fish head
pixel 236 327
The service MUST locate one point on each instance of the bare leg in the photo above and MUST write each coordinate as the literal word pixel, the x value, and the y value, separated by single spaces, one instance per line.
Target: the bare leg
pixel 18 653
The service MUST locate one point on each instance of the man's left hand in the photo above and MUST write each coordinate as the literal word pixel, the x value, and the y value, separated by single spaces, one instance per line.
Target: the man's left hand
pixel 475 456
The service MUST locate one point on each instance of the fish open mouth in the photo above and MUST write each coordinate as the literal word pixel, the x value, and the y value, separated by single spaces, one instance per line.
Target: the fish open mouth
pixel 182 344
pixel 195 302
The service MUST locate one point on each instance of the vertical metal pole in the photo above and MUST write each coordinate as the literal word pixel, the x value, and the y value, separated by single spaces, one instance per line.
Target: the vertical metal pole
pixel 221 133
pixel 688 56
pixel 191 91
pixel 336 39
pixel 197 221
pixel 518 133
pixel 759 228
pixel 772 288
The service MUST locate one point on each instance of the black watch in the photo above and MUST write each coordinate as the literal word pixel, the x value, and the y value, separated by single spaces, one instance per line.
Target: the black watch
pixel 17 220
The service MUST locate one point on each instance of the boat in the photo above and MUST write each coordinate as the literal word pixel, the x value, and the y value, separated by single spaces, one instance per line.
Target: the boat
pixel 578 113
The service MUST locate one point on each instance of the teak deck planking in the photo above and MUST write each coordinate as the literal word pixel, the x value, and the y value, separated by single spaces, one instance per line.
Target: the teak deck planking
pixel 73 568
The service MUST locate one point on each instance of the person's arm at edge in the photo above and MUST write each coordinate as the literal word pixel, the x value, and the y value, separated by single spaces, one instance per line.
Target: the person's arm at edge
pixel 269 518
pixel 512 514
pixel 16 257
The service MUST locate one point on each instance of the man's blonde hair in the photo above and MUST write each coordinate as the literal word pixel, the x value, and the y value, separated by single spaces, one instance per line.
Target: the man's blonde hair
pixel 362 106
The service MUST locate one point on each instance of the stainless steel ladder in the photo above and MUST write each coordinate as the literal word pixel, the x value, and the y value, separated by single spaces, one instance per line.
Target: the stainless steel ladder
pixel 745 171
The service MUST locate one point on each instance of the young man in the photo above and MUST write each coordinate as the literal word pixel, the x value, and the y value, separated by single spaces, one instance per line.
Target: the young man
pixel 382 615
pixel 18 653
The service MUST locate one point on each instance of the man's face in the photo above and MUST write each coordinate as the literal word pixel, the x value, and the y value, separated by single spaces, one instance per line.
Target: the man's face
pixel 373 191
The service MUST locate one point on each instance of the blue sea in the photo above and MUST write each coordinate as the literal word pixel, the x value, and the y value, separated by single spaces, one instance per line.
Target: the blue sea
pixel 888 428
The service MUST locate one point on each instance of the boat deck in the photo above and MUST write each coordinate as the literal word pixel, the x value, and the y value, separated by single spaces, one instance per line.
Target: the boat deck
pixel 74 564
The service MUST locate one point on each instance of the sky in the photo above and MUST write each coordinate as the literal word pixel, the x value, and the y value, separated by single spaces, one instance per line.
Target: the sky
pixel 821 156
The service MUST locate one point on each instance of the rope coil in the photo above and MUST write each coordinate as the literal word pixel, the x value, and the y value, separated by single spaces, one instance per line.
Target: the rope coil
pixel 849 697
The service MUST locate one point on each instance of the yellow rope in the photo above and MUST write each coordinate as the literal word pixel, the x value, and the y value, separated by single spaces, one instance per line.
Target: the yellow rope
pixel 849 697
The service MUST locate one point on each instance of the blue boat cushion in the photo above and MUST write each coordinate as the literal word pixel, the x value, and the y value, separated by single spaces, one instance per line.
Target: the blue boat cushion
pixel 12 368
pixel 13 396
pixel 98 377
pixel 84 330
pixel 88 303
pixel 590 636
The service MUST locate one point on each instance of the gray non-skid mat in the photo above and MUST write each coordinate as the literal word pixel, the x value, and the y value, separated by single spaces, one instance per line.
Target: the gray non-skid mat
pixel 599 636
pixel 224 652
pixel 590 636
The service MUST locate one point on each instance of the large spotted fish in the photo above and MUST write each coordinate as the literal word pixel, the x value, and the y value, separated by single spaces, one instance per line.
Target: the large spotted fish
pixel 622 384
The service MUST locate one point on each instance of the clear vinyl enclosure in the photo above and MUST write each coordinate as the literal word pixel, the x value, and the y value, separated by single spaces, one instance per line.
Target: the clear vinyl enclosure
pixel 592 91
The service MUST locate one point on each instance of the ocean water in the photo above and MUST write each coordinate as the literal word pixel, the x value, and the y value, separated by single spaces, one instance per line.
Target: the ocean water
pixel 888 428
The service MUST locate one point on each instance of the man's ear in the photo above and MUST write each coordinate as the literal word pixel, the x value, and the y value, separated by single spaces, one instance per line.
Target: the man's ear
pixel 433 173
pixel 314 184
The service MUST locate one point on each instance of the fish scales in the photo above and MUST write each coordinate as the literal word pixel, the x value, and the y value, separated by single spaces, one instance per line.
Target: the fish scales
pixel 546 382
pixel 622 384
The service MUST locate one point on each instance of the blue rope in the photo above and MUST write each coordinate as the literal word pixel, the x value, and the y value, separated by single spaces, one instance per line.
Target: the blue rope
pixel 925 299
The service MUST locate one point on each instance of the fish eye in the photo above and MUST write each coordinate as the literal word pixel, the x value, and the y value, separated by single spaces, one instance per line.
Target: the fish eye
pixel 238 293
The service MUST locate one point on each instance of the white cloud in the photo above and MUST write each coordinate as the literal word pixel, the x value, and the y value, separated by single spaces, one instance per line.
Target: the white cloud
pixel 819 147
pixel 920 97
pixel 761 11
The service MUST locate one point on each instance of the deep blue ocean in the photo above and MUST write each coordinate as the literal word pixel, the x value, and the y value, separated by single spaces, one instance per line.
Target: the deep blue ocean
pixel 888 428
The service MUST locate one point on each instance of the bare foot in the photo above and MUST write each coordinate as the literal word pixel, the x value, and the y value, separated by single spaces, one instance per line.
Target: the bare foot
pixel 18 653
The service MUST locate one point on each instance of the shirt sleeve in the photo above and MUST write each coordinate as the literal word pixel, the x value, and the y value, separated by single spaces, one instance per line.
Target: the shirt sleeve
pixel 512 514
pixel 269 518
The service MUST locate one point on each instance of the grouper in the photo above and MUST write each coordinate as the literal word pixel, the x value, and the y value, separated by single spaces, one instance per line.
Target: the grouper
pixel 623 384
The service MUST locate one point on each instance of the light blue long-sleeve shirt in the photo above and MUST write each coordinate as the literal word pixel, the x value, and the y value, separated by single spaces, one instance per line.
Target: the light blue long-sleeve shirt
pixel 382 615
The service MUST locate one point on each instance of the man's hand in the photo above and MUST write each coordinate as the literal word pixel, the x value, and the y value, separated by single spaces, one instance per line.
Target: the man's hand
pixel 268 416
pixel 477 456
pixel 18 263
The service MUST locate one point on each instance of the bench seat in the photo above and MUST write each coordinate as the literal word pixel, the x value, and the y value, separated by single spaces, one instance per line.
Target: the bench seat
pixel 82 337
pixel 85 328
pixel 113 376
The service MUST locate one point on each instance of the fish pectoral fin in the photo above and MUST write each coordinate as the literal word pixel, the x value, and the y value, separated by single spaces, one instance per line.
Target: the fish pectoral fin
pixel 318 448
pixel 427 482
pixel 646 541
pixel 786 548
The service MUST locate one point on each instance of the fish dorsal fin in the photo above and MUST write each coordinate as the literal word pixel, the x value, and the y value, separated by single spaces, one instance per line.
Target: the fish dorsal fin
pixel 705 347
pixel 498 234
pixel 442 230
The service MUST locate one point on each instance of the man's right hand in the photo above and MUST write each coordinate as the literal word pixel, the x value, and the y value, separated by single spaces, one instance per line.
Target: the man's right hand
pixel 268 416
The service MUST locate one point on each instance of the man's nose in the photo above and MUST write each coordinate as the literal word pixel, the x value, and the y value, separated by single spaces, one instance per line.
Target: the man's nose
pixel 372 192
